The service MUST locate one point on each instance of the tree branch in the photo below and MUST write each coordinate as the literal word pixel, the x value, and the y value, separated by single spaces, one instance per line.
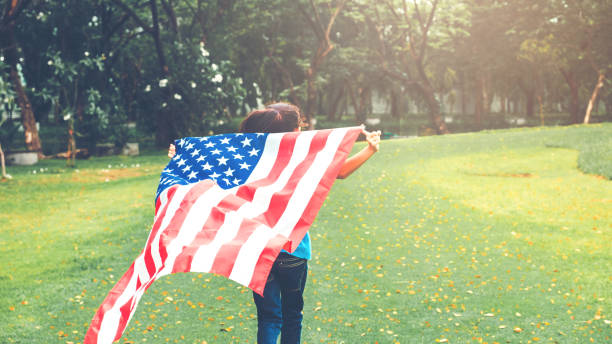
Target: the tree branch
pixel 427 27
pixel 311 22
pixel 12 11
pixel 133 14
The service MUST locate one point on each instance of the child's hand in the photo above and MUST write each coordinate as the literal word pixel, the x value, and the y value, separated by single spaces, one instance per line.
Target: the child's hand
pixel 373 139
pixel 171 151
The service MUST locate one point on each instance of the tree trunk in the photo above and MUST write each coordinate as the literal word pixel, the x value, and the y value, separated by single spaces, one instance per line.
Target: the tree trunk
pixel 32 140
pixel 395 105
pixel 478 109
pixel 598 86
pixel 487 99
pixel 359 100
pixel 541 109
pixel 4 175
pixel 574 107
pixel 479 103
pixel 463 96
pixel 322 32
pixel 71 151
pixel 332 111
pixel 435 115
pixel 311 95
pixel 165 127
pixel 529 94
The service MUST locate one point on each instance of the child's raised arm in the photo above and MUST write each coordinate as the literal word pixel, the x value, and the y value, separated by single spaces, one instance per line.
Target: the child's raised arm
pixel 353 163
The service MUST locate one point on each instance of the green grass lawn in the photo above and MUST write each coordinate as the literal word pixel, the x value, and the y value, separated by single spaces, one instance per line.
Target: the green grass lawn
pixel 490 237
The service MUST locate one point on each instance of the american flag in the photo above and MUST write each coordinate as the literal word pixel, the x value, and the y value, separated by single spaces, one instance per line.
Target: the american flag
pixel 227 204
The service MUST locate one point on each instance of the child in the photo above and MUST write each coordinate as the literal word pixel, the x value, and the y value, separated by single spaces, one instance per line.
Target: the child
pixel 279 311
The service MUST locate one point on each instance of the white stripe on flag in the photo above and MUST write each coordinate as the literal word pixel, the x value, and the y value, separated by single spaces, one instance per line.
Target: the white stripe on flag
pixel 263 195
pixel 173 207
pixel 140 269
pixel 110 321
pixel 206 254
pixel 307 184
pixel 268 158
pixel 197 216
pixel 249 254
pixel 163 199
pixel 252 249
pixel 256 243
pixel 112 316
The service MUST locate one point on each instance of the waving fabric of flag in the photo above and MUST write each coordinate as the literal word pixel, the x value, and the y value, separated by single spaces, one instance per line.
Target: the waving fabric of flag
pixel 228 204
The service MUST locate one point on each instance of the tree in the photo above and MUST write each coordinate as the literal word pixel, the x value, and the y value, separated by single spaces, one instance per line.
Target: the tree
pixel 321 27
pixel 181 85
pixel 577 29
pixel 10 49
pixel 410 38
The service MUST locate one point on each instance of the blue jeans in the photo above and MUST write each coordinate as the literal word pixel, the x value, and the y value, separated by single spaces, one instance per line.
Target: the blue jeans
pixel 279 311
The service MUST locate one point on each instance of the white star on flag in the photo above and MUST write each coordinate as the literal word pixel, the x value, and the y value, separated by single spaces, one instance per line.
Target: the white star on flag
pixel 253 152
pixel 222 160
pixel 229 172
pixel 246 142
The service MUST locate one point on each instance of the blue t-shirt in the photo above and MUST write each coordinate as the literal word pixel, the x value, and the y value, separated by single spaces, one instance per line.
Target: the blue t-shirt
pixel 303 250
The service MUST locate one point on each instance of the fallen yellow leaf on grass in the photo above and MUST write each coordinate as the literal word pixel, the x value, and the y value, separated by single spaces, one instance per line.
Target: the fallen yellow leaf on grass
pixel 518 329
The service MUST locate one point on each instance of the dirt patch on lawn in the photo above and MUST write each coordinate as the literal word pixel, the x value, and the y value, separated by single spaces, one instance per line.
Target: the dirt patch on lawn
pixel 107 175
pixel 504 175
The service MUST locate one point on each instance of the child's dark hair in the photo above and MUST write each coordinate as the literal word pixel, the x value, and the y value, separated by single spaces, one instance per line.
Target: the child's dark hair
pixel 275 118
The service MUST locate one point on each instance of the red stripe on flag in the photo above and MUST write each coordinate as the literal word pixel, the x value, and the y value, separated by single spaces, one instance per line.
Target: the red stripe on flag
pixel 279 201
pixel 214 221
pixel 181 213
pixel 225 258
pixel 265 262
pixel 285 151
pixel 244 194
pixel 167 236
pixel 148 258
pixel 322 189
pixel 91 336
pixel 128 308
pixel 204 237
